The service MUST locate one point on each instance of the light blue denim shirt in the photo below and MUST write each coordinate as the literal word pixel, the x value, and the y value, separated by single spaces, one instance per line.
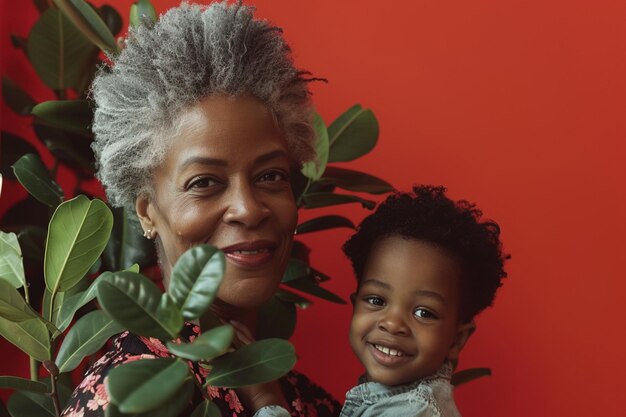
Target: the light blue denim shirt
pixel 428 397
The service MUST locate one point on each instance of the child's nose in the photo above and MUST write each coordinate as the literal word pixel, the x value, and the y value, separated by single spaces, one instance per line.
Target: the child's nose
pixel 393 322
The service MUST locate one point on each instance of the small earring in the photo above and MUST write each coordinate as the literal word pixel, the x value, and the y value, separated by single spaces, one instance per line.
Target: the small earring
pixel 295 232
pixel 148 234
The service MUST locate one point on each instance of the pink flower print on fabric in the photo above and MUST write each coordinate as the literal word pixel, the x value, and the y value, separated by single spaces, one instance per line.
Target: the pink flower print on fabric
pixel 297 406
pixel 100 399
pixel 233 401
pixel 75 412
pixel 156 346
pixel 89 382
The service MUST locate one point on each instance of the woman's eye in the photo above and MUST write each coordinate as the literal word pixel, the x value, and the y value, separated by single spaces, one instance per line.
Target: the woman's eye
pixel 376 301
pixel 423 313
pixel 273 176
pixel 201 182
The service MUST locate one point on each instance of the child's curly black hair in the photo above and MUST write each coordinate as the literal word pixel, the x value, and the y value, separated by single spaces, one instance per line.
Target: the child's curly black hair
pixel 428 215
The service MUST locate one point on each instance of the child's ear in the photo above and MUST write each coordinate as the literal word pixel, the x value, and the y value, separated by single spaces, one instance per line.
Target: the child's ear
pixel 463 333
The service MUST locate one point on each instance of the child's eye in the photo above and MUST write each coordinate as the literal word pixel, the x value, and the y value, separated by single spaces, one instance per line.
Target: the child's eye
pixel 375 300
pixel 273 176
pixel 423 313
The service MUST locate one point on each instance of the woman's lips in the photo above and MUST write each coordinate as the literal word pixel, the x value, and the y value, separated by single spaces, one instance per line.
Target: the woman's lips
pixel 250 254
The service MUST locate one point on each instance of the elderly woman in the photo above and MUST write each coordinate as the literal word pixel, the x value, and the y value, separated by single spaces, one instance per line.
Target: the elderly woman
pixel 198 126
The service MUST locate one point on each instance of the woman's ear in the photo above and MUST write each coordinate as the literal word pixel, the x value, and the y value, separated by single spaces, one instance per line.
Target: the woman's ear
pixel 144 212
pixel 463 333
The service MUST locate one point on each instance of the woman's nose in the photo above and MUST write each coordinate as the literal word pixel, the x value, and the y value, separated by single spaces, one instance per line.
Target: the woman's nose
pixel 245 207
pixel 394 323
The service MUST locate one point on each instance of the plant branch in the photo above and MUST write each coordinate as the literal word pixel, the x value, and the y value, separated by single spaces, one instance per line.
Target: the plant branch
pixel 55 395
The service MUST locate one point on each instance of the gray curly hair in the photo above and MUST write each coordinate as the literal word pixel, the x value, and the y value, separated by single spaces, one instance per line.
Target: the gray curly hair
pixel 192 52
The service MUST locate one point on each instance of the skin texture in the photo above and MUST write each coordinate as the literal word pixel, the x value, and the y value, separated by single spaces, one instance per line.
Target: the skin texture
pixel 225 181
pixel 408 301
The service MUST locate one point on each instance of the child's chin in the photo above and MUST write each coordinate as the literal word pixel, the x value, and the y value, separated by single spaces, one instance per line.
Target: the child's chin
pixel 389 380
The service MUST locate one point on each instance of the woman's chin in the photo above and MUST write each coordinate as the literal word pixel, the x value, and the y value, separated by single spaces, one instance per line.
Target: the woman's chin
pixel 246 296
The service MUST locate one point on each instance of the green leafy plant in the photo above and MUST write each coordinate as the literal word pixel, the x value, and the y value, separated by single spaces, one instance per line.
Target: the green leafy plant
pixel 77 235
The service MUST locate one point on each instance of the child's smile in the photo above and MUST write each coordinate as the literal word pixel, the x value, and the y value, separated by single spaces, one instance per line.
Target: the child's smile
pixel 405 322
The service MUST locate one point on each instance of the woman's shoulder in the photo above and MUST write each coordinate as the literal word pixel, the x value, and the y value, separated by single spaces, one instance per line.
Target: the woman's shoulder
pixel 90 399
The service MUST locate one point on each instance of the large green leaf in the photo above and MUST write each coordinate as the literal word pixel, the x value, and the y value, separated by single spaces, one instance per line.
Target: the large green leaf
pixel 13 307
pixel 353 134
pixel 206 409
pixel 31 336
pixel 324 223
pixel 277 318
pixel 142 11
pixel 73 303
pixel 13 382
pixel 143 385
pixel 27 404
pixel 195 279
pixel 208 345
pixel 15 97
pixel 89 23
pixel 258 362
pixel 307 286
pixel 137 304
pixel 11 265
pixel 30 404
pixel 35 177
pixel 355 181
pixel 58 51
pixel 86 337
pixel 70 147
pixel 78 231
pixel 111 18
pixel 314 169
pixel 67 114
pixel 127 246
pixel 33 240
pixel 52 305
pixel 295 269
pixel 467 375
pixel 316 200
pixel 171 408
pixel 293 298
pixel 12 148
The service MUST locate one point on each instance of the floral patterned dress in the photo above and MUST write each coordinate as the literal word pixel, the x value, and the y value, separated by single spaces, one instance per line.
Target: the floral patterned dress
pixel 91 400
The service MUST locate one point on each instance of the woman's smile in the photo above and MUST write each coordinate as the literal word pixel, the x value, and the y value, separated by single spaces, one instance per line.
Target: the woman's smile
pixel 252 254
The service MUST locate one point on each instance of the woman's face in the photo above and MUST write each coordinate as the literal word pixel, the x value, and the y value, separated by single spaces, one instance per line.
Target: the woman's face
pixel 225 182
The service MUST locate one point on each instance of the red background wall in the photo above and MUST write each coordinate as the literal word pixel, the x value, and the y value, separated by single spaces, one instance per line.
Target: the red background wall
pixel 518 105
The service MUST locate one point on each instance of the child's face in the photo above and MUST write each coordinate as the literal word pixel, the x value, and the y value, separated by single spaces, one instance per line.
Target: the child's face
pixel 406 313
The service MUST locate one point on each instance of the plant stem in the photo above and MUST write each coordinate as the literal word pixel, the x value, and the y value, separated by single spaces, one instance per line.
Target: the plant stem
pixel 33 365
pixel 55 395
pixel 34 369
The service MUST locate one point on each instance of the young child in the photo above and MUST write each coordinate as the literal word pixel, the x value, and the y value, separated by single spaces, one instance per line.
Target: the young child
pixel 425 267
